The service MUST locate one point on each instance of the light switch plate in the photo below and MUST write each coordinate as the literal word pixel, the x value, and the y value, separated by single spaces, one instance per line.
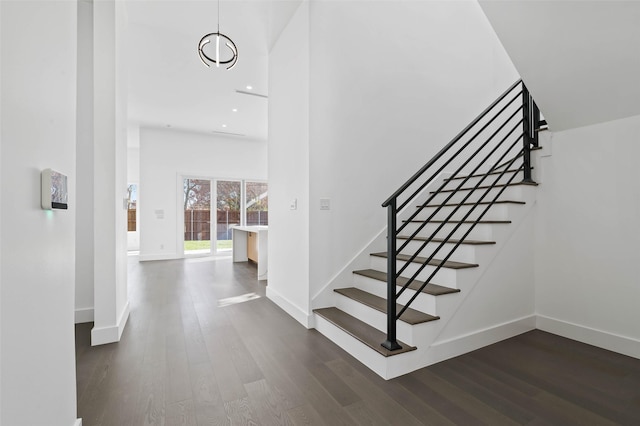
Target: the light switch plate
pixel 294 204
pixel 325 204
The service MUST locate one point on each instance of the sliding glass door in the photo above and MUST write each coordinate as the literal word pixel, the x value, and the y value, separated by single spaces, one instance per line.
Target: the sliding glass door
pixel 256 203
pixel 212 207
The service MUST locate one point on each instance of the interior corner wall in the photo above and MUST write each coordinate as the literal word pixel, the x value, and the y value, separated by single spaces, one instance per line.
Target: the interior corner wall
pixel 38 106
pixel 84 166
pixel 588 238
pixel 391 83
pixel 165 156
pixel 289 168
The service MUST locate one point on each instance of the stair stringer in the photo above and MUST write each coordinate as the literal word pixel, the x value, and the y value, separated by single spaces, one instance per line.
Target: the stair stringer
pixel 326 296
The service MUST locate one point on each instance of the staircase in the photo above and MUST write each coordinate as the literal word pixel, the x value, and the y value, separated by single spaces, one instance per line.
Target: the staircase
pixel 454 225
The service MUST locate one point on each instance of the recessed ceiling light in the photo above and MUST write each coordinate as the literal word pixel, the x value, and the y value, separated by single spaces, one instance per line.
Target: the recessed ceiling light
pixel 235 110
pixel 249 87
pixel 224 125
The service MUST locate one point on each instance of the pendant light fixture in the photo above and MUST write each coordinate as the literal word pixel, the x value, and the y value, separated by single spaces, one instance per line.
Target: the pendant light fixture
pixel 218 38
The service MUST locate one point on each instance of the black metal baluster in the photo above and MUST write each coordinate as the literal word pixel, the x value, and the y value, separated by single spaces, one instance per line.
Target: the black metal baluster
pixel 527 127
pixel 536 123
pixel 391 343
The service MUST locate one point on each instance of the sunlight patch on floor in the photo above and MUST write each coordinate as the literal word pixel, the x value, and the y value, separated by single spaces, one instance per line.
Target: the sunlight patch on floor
pixel 237 299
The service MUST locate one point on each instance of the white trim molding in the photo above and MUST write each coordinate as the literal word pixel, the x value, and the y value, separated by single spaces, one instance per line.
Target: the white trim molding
pixel 591 336
pixel 111 334
pixel 83 315
pixel 459 345
pixel 298 314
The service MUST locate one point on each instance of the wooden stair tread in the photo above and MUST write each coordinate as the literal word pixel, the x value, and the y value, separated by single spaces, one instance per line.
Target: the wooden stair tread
pixel 488 186
pixel 494 222
pixel 410 316
pixel 484 174
pixel 434 262
pixel 432 289
pixel 483 203
pixel 451 240
pixel 360 330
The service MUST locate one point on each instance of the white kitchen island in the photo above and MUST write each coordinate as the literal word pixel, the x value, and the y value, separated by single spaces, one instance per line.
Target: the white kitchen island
pixel 250 243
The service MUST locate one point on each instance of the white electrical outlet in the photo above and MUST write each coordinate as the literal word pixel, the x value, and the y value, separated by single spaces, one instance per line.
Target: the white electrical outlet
pixel 325 204
pixel 294 204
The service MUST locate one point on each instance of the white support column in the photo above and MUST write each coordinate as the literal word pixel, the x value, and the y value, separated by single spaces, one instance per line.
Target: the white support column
pixel 84 166
pixel 110 168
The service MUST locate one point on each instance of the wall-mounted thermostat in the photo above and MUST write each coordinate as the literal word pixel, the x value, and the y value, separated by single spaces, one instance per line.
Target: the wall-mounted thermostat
pixel 54 190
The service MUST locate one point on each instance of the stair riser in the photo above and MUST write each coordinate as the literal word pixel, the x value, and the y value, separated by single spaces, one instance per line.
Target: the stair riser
pixel 387 368
pixel 495 212
pixel 510 193
pixel 481 231
pixel 375 318
pixel 464 252
pixel 424 302
pixel 445 276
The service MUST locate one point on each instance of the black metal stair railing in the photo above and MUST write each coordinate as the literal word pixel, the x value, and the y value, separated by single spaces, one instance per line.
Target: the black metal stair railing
pixel 495 147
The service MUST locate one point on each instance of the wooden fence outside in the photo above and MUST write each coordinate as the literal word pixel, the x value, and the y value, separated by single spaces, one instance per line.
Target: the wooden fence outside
pixel 131 220
pixel 197 223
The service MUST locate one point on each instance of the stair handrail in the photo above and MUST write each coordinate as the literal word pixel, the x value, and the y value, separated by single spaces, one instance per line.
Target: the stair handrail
pixel 530 123
pixel 444 150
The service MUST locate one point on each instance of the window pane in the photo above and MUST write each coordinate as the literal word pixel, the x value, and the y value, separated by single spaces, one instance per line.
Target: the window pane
pixel 257 203
pixel 228 211
pixel 197 215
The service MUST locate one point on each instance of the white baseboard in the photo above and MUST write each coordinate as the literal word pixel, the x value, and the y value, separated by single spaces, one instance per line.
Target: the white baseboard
pixel 459 345
pixel 298 314
pixel 148 257
pixel 110 334
pixel 83 315
pixel 591 336
pixel 78 422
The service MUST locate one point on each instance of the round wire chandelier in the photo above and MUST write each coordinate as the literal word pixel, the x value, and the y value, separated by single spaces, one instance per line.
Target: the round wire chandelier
pixel 230 54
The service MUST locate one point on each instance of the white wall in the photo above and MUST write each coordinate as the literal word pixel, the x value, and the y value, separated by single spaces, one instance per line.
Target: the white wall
pixel 37 295
pixel 390 83
pixel 588 238
pixel 289 168
pixel 84 166
pixel 376 120
pixel 165 156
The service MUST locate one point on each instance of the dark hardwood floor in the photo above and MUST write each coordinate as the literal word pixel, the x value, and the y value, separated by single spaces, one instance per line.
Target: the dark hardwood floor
pixel 186 360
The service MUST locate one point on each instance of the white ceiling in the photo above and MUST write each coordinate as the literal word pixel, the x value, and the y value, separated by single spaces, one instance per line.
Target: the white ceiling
pixel 580 59
pixel 168 84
